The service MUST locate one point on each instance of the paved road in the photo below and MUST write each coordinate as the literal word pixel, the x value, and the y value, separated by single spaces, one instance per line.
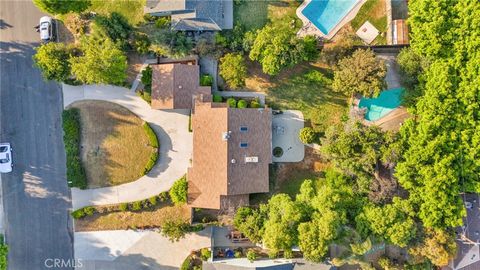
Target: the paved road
pixel 36 197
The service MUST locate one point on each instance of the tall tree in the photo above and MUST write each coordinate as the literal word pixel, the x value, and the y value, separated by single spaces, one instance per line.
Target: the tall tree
pixel 360 73
pixel 101 62
pixel 62 6
pixel 233 70
pixel 443 141
pixel 52 59
pixel 276 46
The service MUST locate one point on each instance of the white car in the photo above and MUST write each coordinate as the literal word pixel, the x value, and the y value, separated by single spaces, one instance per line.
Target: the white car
pixel 46 28
pixel 5 158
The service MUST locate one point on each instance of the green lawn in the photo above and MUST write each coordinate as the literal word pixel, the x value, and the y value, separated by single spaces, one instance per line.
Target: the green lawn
pixel 131 9
pixel 251 14
pixel 296 179
pixel 255 14
pixel 374 12
pixel 309 92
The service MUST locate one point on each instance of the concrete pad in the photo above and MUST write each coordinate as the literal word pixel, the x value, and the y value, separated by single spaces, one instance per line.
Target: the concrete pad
pixel 367 32
pixel 285 130
pixel 171 127
pixel 131 250
pixel 104 245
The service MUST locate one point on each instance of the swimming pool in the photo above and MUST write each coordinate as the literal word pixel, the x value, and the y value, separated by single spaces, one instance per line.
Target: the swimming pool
pixel 386 102
pixel 326 14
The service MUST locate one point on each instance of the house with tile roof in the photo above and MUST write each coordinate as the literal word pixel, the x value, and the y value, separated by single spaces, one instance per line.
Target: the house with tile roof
pixel 232 150
pixel 194 15
pixel 176 85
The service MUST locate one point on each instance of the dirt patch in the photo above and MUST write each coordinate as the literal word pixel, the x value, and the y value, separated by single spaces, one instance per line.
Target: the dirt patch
pixel 153 218
pixel 114 145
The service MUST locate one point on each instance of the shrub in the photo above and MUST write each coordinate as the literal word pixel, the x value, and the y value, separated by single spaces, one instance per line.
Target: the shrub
pixel 217 98
pixel 153 200
pixel 242 104
pixel 307 135
pixel 205 254
pixel 141 43
pixel 206 80
pixel 232 103
pixel 79 213
pixel 153 143
pixel 187 263
pixel 145 96
pixel 115 26
pixel 162 22
pixel 147 78
pixel 71 138
pixel 255 104
pixel 178 192
pixel 52 60
pixel 251 255
pixel 151 135
pixel 3 254
pixel 89 210
pixel 123 207
pixel 238 254
pixel 136 206
pixel 163 196
pixel 175 229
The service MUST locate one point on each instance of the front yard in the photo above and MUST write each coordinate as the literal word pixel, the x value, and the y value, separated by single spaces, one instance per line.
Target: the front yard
pixel 115 146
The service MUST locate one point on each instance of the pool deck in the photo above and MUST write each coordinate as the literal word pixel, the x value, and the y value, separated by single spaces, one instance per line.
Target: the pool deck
pixel 309 28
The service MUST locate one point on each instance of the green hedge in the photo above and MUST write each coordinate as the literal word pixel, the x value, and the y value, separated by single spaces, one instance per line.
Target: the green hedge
pixel 232 103
pixel 153 143
pixel 206 80
pixel 178 192
pixel 217 98
pixel 83 212
pixel 71 137
pixel 3 253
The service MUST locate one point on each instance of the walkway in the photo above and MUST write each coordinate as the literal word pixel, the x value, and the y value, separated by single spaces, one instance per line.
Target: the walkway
pixel 132 250
pixel 171 128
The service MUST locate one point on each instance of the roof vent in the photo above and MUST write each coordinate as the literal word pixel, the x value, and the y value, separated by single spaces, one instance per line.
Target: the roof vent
pixel 233 161
pixel 226 135
pixel 251 159
pixel 179 87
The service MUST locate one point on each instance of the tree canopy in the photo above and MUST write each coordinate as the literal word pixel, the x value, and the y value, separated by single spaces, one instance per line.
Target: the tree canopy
pixel 277 46
pixel 442 157
pixel 52 59
pixel 101 62
pixel 360 73
pixel 62 6
pixel 233 70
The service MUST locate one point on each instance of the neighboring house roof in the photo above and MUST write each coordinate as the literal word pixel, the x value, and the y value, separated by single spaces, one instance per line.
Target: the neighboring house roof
pixel 227 162
pixel 174 86
pixel 194 14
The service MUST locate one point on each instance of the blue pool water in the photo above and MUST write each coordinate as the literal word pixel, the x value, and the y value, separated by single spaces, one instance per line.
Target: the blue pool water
pixel 386 102
pixel 325 14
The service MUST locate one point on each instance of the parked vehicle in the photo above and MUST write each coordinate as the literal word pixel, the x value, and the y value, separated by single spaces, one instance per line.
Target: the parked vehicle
pixel 46 28
pixel 6 163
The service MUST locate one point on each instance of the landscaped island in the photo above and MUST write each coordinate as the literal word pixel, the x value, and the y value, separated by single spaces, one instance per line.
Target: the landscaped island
pixel 116 146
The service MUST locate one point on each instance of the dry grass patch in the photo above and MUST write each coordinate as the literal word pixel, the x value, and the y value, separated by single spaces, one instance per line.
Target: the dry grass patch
pixel 153 218
pixel 115 147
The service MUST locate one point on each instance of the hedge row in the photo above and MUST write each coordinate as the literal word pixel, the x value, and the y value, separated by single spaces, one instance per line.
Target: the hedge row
pixel 132 206
pixel 241 103
pixel 152 137
pixel 71 137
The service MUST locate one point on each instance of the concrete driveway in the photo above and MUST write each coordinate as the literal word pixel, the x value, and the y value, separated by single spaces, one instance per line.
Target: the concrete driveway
pixel 171 128
pixel 132 250
pixel 285 130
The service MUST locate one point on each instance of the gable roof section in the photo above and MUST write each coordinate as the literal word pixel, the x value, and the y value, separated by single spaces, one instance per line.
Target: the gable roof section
pixel 219 166
pixel 174 86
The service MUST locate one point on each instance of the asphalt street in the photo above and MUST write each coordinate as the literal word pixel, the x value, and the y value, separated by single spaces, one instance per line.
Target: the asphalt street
pixel 35 195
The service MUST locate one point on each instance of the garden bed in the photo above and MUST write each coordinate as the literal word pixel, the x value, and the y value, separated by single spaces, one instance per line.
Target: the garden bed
pixel 114 218
pixel 117 146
